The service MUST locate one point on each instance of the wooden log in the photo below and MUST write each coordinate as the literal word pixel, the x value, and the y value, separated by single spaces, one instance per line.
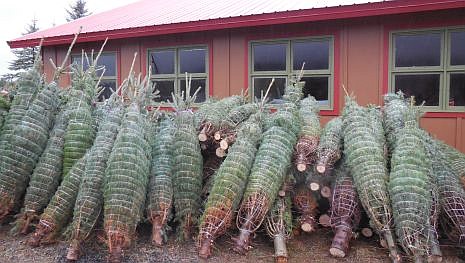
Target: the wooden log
pixel 220 152
pixel 321 169
pixel 203 137
pixel 301 167
pixel 325 220
pixel 217 136
pixel 326 192
pixel 314 186
pixel 367 232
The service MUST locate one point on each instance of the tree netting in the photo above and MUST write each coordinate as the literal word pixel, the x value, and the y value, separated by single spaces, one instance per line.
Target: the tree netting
pixel 279 226
pixel 24 146
pixel 237 115
pixel 229 184
pixel 29 83
pixel 345 212
pixel 394 111
pixel 364 153
pixel 330 147
pixel 60 209
pixel 450 191
pixel 4 107
pixel 160 192
pixel 270 166
pixel 126 178
pixel 455 159
pixel 309 136
pixel 410 188
pixel 212 118
pixel 45 177
pixel 80 132
pixel 187 173
pixel 90 197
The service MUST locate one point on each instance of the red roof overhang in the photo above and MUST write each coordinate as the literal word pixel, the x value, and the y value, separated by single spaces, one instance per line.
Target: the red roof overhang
pixel 308 15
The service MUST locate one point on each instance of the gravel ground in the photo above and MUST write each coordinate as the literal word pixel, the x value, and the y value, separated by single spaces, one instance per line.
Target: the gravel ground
pixel 302 248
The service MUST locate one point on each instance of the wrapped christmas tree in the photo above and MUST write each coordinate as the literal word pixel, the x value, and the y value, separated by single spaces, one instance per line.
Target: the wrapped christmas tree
pixel 271 164
pixel 410 188
pixel 229 184
pixel 345 212
pixel 160 193
pixel 365 158
pixel 187 169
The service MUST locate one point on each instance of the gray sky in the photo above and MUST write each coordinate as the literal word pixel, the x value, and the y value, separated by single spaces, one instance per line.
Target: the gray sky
pixel 16 14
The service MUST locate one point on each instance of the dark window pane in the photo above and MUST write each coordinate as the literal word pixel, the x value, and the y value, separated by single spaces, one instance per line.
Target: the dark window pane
pixel 195 84
pixel 107 88
pixel 260 85
pixel 423 87
pixel 457 49
pixel 269 57
pixel 109 62
pixel 457 89
pixel 318 88
pixel 165 87
pixel 418 50
pixel 315 54
pixel 192 60
pixel 162 62
pixel 77 59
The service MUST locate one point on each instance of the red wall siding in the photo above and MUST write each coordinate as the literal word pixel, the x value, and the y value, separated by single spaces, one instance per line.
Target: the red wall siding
pixel 361 57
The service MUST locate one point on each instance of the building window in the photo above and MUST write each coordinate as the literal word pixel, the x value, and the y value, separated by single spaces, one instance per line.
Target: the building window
pixel 170 65
pixel 282 59
pixel 430 65
pixel 110 76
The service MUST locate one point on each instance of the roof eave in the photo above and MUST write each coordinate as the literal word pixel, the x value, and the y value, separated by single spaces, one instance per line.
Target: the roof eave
pixel 308 15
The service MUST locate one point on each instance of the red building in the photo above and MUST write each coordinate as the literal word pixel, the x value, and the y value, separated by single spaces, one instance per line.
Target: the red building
pixel 417 46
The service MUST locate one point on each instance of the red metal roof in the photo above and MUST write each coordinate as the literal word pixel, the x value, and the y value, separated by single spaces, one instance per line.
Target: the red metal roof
pixel 157 17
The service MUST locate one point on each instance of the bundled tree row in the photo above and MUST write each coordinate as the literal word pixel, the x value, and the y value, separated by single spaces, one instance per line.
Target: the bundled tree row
pixel 68 164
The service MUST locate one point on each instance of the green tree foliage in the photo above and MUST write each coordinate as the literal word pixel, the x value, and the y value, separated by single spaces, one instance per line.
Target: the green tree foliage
pixel 25 57
pixel 77 10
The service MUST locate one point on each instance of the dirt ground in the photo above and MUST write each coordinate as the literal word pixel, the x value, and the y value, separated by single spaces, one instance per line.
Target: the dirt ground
pixel 302 248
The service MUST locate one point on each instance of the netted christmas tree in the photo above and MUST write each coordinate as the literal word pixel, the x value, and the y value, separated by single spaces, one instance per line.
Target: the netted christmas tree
pixel 410 188
pixel 45 178
pixel 451 194
pixel 330 147
pixel 89 201
pixel 128 169
pixel 309 137
pixel 25 146
pixel 160 189
pixel 60 209
pixel 13 185
pixel 229 184
pixel 345 211
pixel 395 107
pixel 187 172
pixel 80 132
pixel 456 160
pixel 271 164
pixel 364 153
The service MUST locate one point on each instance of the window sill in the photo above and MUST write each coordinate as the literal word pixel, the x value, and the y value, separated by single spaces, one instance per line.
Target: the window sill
pixel 444 114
